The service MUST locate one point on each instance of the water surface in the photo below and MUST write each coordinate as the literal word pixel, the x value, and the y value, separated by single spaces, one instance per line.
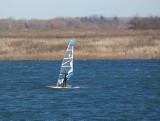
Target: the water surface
pixel 109 90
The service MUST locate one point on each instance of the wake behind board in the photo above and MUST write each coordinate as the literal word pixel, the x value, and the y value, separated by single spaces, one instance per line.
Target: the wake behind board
pixel 56 87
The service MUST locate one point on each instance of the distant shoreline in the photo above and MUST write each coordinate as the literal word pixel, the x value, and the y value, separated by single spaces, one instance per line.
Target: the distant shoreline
pixel 91 44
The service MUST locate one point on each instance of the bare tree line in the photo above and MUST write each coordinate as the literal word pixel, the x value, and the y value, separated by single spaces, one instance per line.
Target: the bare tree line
pixel 82 23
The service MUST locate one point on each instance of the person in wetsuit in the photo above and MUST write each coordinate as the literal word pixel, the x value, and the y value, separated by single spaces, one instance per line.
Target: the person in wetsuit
pixel 65 78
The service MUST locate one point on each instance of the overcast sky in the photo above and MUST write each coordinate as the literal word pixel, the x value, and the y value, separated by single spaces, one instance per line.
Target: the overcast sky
pixel 46 9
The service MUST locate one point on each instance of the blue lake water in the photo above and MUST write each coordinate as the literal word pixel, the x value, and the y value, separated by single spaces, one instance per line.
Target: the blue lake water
pixel 109 90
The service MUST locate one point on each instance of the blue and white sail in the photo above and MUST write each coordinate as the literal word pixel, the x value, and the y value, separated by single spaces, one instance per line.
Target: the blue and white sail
pixel 67 63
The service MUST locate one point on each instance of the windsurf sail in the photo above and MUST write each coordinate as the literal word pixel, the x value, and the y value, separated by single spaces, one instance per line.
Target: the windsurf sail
pixel 67 63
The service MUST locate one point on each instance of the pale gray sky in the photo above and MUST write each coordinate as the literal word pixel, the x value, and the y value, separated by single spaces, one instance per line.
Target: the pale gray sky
pixel 46 9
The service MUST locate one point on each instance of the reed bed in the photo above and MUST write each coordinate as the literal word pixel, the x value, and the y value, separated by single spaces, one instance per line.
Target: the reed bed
pixel 89 44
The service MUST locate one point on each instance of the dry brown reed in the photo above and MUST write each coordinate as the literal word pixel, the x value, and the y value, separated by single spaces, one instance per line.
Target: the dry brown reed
pixel 89 44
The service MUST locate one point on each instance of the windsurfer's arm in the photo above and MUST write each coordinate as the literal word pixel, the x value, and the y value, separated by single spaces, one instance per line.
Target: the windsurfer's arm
pixel 67 76
pixel 62 73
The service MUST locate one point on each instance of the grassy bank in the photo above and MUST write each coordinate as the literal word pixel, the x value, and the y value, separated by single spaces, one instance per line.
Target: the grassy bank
pixel 89 44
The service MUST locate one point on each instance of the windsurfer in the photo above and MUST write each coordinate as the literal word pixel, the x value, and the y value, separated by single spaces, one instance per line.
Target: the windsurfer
pixel 65 78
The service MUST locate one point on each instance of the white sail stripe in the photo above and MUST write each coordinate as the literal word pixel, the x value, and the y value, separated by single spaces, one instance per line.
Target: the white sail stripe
pixel 66 62
pixel 66 66
pixel 68 58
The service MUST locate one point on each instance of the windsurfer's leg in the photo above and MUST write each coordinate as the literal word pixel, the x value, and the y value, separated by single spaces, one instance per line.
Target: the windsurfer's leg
pixel 63 83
